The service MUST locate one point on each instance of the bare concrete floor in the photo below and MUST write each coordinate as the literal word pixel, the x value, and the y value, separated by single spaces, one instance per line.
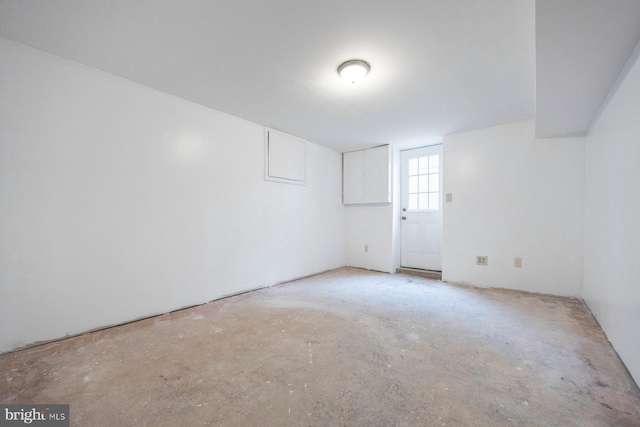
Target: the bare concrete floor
pixel 345 348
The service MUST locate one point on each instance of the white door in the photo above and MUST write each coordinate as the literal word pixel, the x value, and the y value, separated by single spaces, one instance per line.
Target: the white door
pixel 421 224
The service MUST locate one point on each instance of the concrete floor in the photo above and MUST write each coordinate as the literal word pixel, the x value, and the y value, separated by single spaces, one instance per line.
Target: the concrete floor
pixel 345 348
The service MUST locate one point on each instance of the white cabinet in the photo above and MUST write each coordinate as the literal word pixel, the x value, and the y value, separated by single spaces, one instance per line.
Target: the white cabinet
pixel 353 177
pixel 366 176
pixel 377 175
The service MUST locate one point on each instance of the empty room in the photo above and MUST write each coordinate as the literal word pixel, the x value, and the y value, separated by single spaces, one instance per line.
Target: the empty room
pixel 336 213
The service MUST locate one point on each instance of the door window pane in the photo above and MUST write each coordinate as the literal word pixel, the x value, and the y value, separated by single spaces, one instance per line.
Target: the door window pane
pixel 413 184
pixel 434 183
pixel 434 201
pixel 424 183
pixel 434 164
pixel 422 201
pixel 413 202
pixel 413 167
pixel 423 165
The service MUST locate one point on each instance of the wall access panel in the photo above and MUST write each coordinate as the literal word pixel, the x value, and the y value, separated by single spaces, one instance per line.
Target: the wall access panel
pixel 285 158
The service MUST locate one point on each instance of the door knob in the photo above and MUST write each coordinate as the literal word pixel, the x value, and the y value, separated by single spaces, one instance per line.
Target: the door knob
pixel 404 209
pixel 404 217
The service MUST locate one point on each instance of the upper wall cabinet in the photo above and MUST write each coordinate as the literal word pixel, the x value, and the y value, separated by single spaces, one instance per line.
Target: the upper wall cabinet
pixel 366 176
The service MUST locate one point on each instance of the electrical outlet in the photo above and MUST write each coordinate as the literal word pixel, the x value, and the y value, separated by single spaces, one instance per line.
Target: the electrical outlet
pixel 482 260
pixel 448 197
pixel 366 248
pixel 517 262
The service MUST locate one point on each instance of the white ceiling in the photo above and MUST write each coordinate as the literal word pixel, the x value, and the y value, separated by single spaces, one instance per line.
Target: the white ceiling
pixel 581 45
pixel 437 67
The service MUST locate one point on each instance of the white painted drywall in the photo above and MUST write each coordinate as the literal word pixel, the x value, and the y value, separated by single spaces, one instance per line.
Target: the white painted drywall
pixel 514 196
pixel 396 208
pixel 118 201
pixel 372 226
pixel 612 218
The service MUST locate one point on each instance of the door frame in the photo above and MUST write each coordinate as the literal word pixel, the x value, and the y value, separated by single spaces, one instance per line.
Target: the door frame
pixel 402 203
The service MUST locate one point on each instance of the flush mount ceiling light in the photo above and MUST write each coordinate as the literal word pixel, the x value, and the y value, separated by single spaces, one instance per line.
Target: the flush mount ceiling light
pixel 354 71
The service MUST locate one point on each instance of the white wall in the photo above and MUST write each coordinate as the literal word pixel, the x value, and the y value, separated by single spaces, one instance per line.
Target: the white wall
pixel 396 209
pixel 118 201
pixel 372 226
pixel 612 225
pixel 514 196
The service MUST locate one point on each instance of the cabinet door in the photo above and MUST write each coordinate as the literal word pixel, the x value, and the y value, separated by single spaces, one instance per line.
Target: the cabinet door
pixel 353 177
pixel 377 175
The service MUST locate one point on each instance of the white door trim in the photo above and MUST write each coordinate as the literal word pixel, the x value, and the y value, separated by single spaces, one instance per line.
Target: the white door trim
pixel 421 204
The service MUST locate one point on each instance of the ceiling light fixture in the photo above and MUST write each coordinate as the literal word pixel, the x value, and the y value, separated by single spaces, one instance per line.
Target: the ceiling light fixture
pixel 354 71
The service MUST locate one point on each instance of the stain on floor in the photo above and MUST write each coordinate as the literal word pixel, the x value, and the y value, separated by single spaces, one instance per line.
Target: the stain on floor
pixel 344 348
